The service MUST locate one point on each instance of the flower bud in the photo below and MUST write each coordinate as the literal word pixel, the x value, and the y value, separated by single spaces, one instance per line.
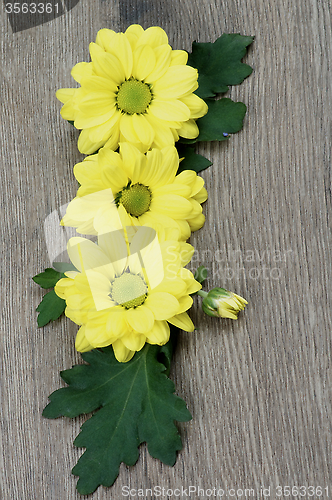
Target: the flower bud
pixel 222 303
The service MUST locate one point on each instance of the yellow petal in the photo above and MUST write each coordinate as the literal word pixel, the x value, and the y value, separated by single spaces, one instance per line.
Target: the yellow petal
pixel 116 322
pixel 85 207
pixel 163 133
pixel 153 36
pixel 100 287
pixel 187 177
pixel 140 319
pixel 65 95
pixel 121 49
pixel 198 185
pixel 179 57
pixel 71 274
pixel 189 130
pixel 153 166
pixel 144 62
pixel 157 221
pixel 145 250
pixel 133 33
pixel 62 286
pixel 97 336
pixel 121 352
pixel 81 70
pixel 197 106
pixel 95 50
pixel 85 168
pixel 197 223
pixel 86 255
pixel 175 286
pixel 179 189
pixel 109 66
pixel 196 209
pixel 201 196
pixel 163 60
pixel 193 286
pixel 134 341
pixel 97 104
pixel 129 155
pixel 79 303
pixel 177 82
pixel 185 303
pixel 186 253
pixel 174 206
pixel 182 321
pixel 82 121
pixel 159 334
pixel 81 343
pixel 143 129
pixel 163 305
pixel 127 128
pixel 164 173
pixel 113 141
pixel 104 38
pixel 184 228
pixel 98 84
pixel 169 109
pixel 114 246
pixel 112 172
pixel 68 111
pixel 85 145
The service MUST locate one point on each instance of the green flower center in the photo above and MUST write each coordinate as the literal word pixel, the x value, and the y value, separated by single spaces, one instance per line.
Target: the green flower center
pixel 134 97
pixel 129 290
pixel 136 199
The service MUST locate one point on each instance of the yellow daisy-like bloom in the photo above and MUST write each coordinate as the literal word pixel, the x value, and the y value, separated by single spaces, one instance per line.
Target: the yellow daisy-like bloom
pixel 135 89
pixel 126 296
pixel 132 188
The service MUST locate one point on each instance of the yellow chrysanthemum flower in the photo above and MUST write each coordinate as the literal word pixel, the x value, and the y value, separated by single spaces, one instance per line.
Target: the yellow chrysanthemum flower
pixel 132 188
pixel 135 89
pixel 125 296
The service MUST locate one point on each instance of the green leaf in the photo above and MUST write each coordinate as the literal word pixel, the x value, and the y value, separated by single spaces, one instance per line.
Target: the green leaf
pixel 192 160
pixel 135 402
pixel 224 117
pixel 50 308
pixel 48 278
pixel 219 63
pixel 166 351
pixel 201 274
pixel 63 267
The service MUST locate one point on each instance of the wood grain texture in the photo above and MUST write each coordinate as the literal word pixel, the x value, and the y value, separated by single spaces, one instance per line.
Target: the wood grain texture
pixel 259 389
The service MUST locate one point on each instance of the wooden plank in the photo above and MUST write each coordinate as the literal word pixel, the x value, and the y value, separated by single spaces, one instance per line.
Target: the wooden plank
pixel 259 389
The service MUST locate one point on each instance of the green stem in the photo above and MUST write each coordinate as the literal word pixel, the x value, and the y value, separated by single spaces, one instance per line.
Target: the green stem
pixel 202 293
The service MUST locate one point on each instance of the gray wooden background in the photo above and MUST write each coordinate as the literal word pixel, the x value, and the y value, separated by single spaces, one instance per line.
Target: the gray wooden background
pixel 259 389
